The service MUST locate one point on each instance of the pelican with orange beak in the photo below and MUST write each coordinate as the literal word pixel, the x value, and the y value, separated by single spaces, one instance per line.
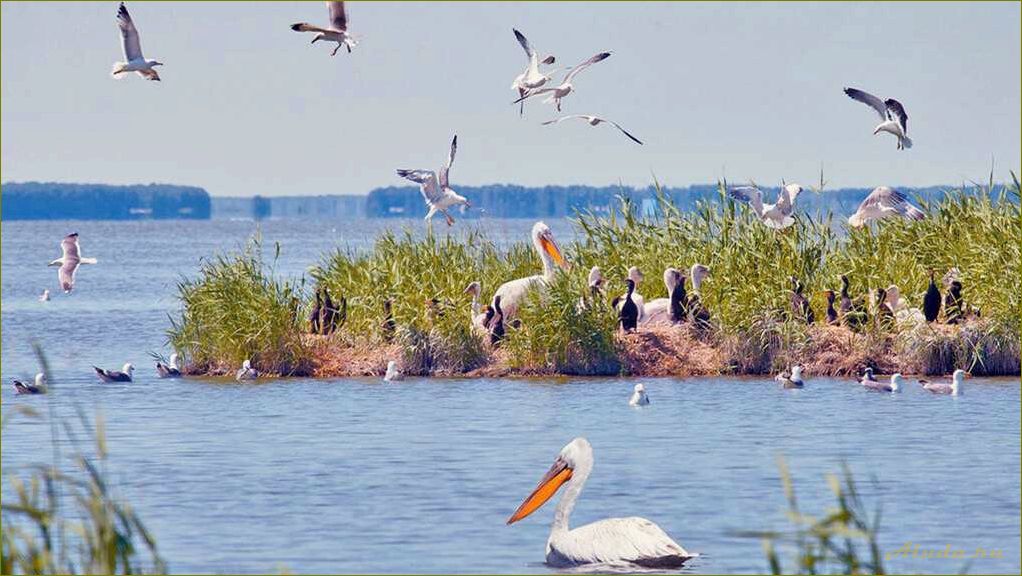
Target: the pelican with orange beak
pixel 512 293
pixel 633 540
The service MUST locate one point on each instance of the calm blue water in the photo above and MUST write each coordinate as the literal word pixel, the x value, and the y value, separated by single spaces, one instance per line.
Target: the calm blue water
pixel 355 475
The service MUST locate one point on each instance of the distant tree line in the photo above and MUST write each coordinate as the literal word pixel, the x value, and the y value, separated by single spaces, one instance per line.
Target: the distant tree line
pixel 60 201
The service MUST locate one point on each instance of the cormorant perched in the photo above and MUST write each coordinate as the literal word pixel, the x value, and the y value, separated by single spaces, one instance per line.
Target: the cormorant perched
pixel 885 315
pixel 832 318
pixel 800 307
pixel 954 309
pixel 628 315
pixel 497 323
pixel 853 312
pixel 679 301
pixel 931 301
pixel 314 315
pixel 846 299
pixel 389 326
pixel 326 314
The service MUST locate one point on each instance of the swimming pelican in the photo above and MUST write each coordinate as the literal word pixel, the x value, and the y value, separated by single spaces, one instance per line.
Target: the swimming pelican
pixel 38 388
pixel 630 540
pixel 337 32
pixel 670 310
pixel 246 372
pixel 45 296
pixel 135 62
pixel 393 374
pixel 531 78
pixel 170 369
pixel 512 293
pixel 69 260
pixel 565 87
pixel 893 386
pixel 777 215
pixel 893 118
pixel 593 121
pixel 125 374
pixel 884 202
pixel 953 388
pixel 793 380
pixel 639 397
pixel 436 190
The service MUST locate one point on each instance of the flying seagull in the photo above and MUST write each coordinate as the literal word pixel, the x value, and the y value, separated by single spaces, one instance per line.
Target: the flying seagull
pixel 593 121
pixel 436 191
pixel 884 202
pixel 531 78
pixel 132 50
pixel 69 262
pixel 893 118
pixel 565 87
pixel 337 32
pixel 777 215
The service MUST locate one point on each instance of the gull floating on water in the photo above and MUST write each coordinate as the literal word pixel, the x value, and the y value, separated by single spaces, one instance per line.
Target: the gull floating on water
pixel 593 121
pixel 38 388
pixel 884 202
pixel 631 540
pixel 69 261
pixel 393 374
pixel 337 32
pixel 246 372
pixel 867 377
pixel 45 296
pixel 952 388
pixel 125 374
pixel 132 50
pixel 170 369
pixel 793 380
pixel 436 190
pixel 565 87
pixel 639 397
pixel 531 78
pixel 893 386
pixel 776 215
pixel 893 118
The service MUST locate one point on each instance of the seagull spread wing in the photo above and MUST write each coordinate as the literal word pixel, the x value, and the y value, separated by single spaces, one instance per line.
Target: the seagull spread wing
pixel 786 197
pixel 445 171
pixel 338 16
pixel 563 118
pixel 897 111
pixel 597 58
pixel 427 181
pixel 869 100
pixel 750 195
pixel 884 197
pixel 532 93
pixel 529 51
pixel 623 131
pixel 129 34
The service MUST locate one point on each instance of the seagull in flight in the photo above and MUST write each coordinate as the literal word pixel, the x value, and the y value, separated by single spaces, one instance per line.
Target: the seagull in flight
pixel 132 50
pixel 593 121
pixel 778 215
pixel 337 32
pixel 884 202
pixel 565 87
pixel 69 261
pixel 531 78
pixel 893 118
pixel 436 191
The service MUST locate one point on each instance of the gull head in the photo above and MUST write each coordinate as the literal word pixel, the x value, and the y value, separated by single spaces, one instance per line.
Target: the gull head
pixel 40 379
pixel 128 368
pixel 796 372
pixel 896 382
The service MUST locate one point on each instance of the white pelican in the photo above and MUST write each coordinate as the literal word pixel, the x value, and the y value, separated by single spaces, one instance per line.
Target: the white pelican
pixel 393 374
pixel 630 540
pixel 593 121
pixel 512 293
pixel 565 87
pixel 658 310
pixel 893 118
pixel 132 50
pixel 698 313
pixel 884 202
pixel 45 296
pixel 481 315
pixel 246 372
pixel 903 314
pixel 953 388
pixel 125 374
pixel 776 215
pixel 794 380
pixel 436 190
pixel 170 369
pixel 893 386
pixel 38 388
pixel 69 261
pixel 531 78
pixel 639 397
pixel 337 32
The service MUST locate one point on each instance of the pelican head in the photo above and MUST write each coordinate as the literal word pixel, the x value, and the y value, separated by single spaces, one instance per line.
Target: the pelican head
pixel 575 459
pixel 635 275
pixel 474 288
pixel 595 277
pixel 543 240
pixel 671 277
pixel 896 382
pixel 893 294
pixel 698 273
pixel 128 368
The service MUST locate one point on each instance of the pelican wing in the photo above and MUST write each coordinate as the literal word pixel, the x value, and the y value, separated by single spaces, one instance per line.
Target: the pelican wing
pixel 633 540
pixel 338 15
pixel 129 34
pixel 897 111
pixel 597 58
pixel 750 195
pixel 446 170
pixel 869 100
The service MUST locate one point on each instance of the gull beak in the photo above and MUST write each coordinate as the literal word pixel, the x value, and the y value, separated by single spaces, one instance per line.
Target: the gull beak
pixel 968 374
pixel 557 475
pixel 550 247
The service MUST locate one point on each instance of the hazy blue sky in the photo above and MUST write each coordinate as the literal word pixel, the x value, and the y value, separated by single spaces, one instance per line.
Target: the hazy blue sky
pixel 247 106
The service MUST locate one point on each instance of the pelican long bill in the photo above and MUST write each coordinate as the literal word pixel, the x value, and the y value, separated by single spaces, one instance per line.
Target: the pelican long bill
pixel 557 475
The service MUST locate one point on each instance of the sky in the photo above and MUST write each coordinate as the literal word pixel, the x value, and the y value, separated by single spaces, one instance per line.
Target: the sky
pixel 745 91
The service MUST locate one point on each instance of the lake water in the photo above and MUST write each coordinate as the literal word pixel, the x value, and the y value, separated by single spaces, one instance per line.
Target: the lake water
pixel 359 476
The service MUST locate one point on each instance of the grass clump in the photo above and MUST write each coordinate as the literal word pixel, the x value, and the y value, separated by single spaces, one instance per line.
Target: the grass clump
pixel 235 310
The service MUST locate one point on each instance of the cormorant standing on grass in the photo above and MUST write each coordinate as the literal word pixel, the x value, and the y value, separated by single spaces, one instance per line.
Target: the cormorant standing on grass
pixel 628 315
pixel 885 315
pixel 497 323
pixel 314 315
pixel 679 301
pixel 953 304
pixel 931 301
pixel 800 307
pixel 389 326
pixel 832 318
pixel 326 314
